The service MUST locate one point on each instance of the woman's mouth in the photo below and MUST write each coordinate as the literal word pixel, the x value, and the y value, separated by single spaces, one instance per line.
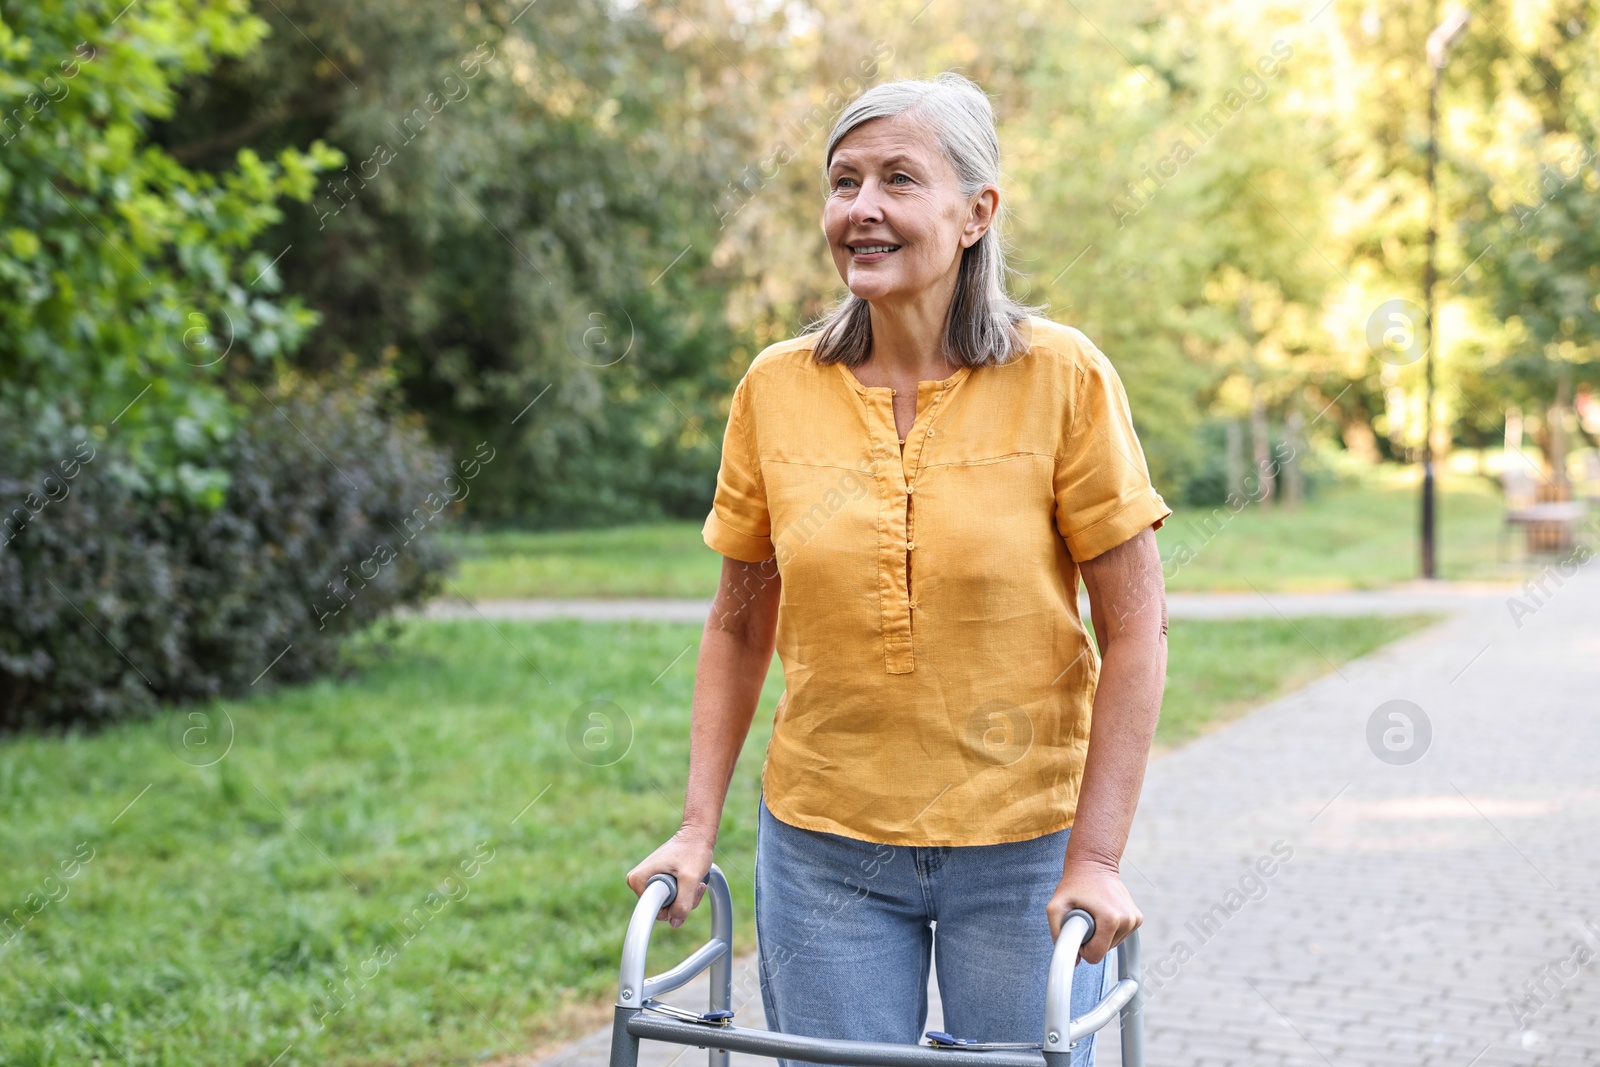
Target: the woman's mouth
pixel 872 253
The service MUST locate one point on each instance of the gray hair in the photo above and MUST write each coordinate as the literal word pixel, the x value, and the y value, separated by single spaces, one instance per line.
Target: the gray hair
pixel 984 321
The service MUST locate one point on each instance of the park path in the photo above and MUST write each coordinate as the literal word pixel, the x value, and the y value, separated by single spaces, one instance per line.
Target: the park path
pixel 1436 913
pixel 1398 600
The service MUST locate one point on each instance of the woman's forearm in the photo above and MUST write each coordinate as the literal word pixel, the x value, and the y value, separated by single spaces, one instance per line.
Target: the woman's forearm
pixel 1127 704
pixel 1128 601
pixel 735 655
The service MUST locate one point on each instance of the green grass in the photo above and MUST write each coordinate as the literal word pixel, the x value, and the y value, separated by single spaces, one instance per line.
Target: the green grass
pixel 1359 536
pixel 221 901
pixel 1349 536
pixel 666 559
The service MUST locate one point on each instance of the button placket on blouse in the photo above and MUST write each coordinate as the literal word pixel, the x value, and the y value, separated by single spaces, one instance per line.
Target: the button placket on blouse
pixel 895 535
pixel 930 398
pixel 937 391
pixel 896 620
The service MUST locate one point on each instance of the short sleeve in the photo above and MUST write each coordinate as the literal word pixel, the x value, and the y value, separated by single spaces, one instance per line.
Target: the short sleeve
pixel 739 526
pixel 1102 485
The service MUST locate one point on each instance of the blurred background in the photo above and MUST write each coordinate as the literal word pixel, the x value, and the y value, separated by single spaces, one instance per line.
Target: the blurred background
pixel 363 372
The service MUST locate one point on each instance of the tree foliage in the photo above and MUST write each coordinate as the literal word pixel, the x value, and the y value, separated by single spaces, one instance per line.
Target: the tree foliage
pixel 131 289
pixel 526 218
pixel 165 515
pixel 1533 205
pixel 569 225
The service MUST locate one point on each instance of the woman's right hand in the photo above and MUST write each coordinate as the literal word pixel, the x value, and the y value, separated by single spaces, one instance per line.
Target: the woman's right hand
pixel 686 856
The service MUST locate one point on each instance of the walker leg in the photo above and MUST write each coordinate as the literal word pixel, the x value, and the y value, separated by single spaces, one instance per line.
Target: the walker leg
pixel 1130 964
pixel 624 1046
pixel 721 968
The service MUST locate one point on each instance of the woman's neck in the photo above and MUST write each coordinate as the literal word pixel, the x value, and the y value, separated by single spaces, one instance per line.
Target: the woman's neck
pixel 908 337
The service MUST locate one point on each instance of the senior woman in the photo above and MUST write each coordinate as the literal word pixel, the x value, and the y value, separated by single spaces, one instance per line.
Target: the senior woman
pixel 909 493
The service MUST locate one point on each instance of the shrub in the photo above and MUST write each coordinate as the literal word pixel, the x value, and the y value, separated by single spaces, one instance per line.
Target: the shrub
pixel 116 597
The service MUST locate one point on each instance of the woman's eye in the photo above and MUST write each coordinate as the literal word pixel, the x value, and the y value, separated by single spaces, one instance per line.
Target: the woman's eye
pixel 897 177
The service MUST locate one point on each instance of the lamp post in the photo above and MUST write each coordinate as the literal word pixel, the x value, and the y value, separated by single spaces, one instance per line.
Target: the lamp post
pixel 1440 41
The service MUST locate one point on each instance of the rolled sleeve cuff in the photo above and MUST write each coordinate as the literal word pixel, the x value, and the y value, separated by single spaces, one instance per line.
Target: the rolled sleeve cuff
pixel 1145 509
pixel 735 544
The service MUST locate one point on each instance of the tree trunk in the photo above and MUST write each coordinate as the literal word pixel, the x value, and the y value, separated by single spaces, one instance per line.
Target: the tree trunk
pixel 1293 480
pixel 1235 457
pixel 1556 418
pixel 1262 448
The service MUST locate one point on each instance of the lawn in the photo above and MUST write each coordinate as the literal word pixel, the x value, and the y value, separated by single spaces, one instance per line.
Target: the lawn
pixel 420 863
pixel 1350 536
pixel 666 559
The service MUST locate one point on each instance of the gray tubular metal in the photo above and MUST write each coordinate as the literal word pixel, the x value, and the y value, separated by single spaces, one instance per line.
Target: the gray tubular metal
pixel 722 965
pixel 1103 1012
pixel 1075 930
pixel 1061 1030
pixel 624 1046
pixel 655 1027
pixel 1130 967
pixel 633 988
pixel 709 954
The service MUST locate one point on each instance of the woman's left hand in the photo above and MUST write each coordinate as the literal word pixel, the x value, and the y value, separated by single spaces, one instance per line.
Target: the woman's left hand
pixel 1098 890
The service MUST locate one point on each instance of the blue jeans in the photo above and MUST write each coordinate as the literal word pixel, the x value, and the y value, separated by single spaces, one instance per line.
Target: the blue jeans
pixel 845 943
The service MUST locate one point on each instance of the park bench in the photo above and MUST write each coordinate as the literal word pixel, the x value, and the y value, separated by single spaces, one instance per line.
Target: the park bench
pixel 1539 508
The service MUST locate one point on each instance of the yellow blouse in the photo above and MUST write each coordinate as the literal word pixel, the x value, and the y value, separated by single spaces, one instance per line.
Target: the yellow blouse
pixel 938 679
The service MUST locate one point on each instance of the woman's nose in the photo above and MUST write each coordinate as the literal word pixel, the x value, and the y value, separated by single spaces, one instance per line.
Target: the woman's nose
pixel 866 207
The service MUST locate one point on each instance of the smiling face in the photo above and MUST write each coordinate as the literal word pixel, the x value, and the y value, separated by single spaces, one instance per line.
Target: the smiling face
pixel 895 219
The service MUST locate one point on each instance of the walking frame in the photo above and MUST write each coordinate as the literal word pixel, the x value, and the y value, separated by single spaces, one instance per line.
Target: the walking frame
pixel 640 1016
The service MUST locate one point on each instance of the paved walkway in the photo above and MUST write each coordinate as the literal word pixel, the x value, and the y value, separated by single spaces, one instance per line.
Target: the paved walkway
pixel 1400 600
pixel 1436 913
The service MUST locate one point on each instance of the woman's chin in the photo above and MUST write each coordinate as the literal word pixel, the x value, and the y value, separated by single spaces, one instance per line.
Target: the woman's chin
pixel 870 288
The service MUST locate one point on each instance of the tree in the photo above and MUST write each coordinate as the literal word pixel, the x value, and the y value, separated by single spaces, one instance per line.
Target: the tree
pixel 526 218
pixel 1534 211
pixel 130 293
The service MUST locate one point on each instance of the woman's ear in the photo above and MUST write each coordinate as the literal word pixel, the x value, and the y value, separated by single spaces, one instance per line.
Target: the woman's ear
pixel 981 215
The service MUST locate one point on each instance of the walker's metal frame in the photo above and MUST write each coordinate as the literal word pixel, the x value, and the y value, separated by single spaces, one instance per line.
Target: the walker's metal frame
pixel 634 1022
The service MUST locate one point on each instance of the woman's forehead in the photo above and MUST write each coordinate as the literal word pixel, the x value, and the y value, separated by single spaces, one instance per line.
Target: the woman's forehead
pixel 885 141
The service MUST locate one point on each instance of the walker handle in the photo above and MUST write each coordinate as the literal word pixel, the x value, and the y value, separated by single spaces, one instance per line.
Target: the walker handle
pixel 660 890
pixel 1061 1030
pixel 672 887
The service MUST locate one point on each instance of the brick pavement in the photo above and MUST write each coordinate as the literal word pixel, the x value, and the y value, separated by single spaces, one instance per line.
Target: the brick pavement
pixel 1419 898
pixel 1310 903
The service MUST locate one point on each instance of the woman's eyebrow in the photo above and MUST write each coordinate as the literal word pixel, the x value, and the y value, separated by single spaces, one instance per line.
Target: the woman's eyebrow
pixel 844 163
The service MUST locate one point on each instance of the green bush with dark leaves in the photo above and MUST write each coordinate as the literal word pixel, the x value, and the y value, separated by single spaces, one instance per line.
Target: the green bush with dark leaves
pixel 116 598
